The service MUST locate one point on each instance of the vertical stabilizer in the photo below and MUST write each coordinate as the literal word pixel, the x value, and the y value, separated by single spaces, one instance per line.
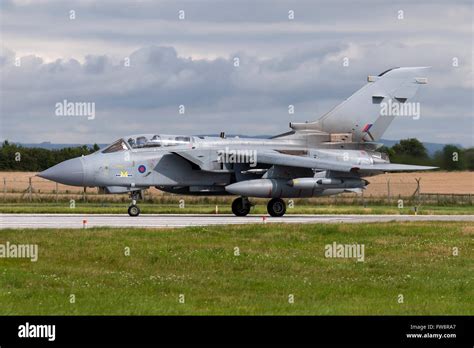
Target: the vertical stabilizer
pixel 367 113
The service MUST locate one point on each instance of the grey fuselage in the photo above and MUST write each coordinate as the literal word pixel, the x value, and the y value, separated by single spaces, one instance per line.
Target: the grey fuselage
pixel 205 166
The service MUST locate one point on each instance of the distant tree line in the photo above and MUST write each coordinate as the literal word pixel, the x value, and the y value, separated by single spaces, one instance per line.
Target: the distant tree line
pixel 409 151
pixel 33 159
pixel 412 151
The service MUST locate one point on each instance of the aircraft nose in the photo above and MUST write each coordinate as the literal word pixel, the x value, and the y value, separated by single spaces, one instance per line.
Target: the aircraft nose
pixel 70 172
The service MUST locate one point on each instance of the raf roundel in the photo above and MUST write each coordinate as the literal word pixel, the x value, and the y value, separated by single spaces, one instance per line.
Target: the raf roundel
pixel 142 169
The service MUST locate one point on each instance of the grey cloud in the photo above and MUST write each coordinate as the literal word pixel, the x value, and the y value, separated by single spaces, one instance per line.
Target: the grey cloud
pixel 191 63
pixel 95 64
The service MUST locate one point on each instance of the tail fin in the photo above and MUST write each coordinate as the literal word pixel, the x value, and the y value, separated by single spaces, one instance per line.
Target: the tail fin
pixel 361 114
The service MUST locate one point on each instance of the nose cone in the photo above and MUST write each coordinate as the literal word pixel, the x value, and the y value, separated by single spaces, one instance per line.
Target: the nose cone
pixel 70 172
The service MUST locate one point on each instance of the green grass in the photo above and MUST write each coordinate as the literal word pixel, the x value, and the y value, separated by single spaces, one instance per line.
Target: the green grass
pixel 147 208
pixel 413 259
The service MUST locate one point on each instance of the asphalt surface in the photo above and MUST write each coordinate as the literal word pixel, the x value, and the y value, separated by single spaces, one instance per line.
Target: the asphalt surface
pixel 183 220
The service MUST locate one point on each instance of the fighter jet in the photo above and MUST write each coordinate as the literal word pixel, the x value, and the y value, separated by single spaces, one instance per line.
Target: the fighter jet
pixel 329 156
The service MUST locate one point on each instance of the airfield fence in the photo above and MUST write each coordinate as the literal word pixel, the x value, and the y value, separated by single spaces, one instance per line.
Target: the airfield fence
pixel 34 189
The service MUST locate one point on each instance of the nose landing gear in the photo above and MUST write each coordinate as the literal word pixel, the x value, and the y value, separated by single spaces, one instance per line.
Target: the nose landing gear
pixel 133 209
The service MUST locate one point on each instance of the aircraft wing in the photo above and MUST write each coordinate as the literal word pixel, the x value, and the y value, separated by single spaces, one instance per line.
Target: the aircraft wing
pixel 280 159
pixel 276 158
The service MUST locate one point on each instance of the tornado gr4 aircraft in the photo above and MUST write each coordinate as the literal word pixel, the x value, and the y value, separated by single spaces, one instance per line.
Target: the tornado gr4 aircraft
pixel 326 157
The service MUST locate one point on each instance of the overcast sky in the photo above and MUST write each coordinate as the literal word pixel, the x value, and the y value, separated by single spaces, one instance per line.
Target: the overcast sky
pixel 80 50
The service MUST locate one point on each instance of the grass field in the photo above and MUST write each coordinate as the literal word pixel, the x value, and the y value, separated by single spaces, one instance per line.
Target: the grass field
pixel 147 208
pixel 414 260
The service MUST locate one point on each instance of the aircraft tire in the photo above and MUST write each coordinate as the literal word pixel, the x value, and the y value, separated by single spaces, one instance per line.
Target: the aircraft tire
pixel 276 207
pixel 133 210
pixel 240 207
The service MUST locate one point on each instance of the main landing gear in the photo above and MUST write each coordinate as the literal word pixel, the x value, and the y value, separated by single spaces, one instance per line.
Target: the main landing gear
pixel 241 207
pixel 276 207
pixel 133 209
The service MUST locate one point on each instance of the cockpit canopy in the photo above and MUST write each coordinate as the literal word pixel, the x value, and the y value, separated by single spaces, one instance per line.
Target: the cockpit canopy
pixel 157 140
pixel 147 141
pixel 116 146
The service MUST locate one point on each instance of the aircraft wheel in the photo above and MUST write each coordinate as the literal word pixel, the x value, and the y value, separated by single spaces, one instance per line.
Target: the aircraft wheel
pixel 133 210
pixel 240 207
pixel 276 207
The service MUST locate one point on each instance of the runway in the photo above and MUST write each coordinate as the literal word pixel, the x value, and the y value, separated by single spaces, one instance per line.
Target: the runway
pixel 184 220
